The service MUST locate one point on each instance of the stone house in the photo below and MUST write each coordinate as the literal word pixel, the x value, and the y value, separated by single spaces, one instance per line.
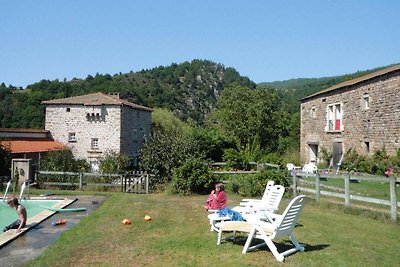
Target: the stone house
pixel 361 114
pixel 96 124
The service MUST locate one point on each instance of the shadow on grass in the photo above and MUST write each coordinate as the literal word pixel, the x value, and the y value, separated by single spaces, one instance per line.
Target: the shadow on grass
pixel 281 246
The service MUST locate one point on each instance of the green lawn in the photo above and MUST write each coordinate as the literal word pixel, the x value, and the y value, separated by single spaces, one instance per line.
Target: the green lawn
pixel 179 235
pixel 374 189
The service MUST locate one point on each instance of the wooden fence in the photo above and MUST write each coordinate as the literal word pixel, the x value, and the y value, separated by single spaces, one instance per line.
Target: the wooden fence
pixel 256 167
pixel 392 202
pixel 131 182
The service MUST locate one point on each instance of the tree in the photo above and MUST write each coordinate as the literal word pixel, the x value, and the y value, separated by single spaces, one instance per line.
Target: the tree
pixel 248 115
pixel 165 152
pixel 5 161
pixel 172 144
pixel 114 163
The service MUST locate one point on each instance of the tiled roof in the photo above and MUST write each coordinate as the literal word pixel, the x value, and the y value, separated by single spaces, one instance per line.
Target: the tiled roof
pixel 32 146
pixel 96 99
pixel 357 80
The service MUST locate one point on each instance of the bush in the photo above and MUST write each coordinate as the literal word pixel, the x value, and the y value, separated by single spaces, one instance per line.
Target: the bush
pixel 193 177
pixel 272 158
pixel 114 163
pixel 165 153
pixel 233 158
pixel 291 156
pixel 253 185
pixel 378 163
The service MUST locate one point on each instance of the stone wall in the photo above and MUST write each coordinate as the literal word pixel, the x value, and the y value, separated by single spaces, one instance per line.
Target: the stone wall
pixel 365 130
pixel 102 122
pixel 136 125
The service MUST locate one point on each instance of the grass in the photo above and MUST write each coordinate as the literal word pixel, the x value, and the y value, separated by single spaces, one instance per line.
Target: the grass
pixel 374 189
pixel 179 235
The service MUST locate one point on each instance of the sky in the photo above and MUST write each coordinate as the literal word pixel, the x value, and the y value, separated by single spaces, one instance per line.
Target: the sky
pixel 265 40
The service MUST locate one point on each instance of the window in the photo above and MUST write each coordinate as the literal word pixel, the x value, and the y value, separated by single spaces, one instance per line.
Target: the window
pixel 334 118
pixel 71 137
pixel 313 112
pixel 95 143
pixel 68 109
pixel 366 101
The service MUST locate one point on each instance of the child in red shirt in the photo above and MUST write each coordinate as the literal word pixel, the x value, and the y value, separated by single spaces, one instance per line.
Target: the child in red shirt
pixel 217 199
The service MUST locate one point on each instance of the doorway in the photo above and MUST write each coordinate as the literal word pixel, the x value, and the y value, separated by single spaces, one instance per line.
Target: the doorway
pixel 313 153
pixel 337 154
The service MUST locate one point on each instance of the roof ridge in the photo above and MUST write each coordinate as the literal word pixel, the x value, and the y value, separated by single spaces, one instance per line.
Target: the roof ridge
pixel 357 80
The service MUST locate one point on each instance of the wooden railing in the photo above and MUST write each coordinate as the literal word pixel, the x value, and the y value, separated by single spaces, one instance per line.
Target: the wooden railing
pixel 132 182
pixel 347 179
pixel 256 167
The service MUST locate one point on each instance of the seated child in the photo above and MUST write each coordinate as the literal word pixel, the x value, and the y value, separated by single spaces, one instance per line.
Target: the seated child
pixel 217 199
pixel 21 212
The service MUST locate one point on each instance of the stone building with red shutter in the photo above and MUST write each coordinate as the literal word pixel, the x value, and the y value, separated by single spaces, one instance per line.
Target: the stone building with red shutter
pixel 361 114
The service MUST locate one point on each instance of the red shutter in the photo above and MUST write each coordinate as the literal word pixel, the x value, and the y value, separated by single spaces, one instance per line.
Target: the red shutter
pixel 337 125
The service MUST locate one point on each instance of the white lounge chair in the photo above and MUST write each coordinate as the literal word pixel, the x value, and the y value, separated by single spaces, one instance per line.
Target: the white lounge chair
pixel 268 206
pixel 268 187
pixel 292 168
pixel 214 217
pixel 261 209
pixel 281 227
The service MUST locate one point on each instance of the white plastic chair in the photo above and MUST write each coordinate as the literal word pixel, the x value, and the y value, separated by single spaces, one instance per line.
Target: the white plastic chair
pixel 268 187
pixel 261 209
pixel 310 168
pixel 214 217
pixel 281 227
pixel 267 207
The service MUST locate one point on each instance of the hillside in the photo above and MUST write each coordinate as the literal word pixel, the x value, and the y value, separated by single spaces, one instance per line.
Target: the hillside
pixel 189 89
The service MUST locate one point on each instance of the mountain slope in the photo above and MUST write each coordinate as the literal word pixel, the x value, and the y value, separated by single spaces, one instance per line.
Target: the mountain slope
pixel 189 89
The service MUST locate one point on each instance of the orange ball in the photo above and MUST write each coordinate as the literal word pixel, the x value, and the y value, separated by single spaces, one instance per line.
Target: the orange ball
pixel 126 221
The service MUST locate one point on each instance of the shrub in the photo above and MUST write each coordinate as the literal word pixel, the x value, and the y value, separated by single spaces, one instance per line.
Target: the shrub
pixel 291 156
pixel 273 158
pixel 114 163
pixel 165 153
pixel 326 157
pixel 192 177
pixel 252 185
pixel 378 163
pixel 233 158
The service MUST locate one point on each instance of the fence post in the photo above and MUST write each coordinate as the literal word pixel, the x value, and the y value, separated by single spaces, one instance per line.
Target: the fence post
pixel 80 180
pixel 294 184
pixel 317 186
pixel 347 190
pixel 393 200
pixel 147 183
pixel 121 176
